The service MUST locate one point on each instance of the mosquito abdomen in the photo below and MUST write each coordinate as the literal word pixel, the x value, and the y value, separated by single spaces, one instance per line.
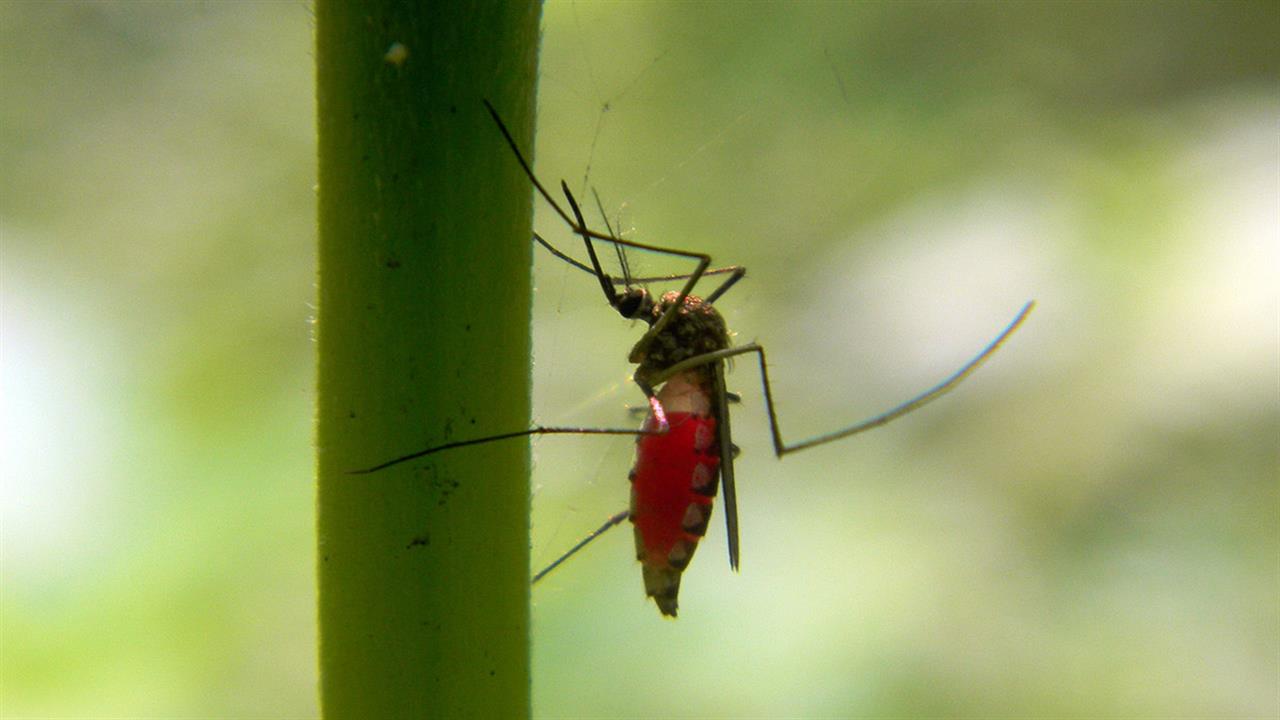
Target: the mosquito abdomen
pixel 673 486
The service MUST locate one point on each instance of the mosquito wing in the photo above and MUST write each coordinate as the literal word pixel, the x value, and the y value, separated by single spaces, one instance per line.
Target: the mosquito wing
pixel 721 409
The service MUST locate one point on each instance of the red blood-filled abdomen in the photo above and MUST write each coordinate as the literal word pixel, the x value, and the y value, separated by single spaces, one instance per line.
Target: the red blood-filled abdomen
pixel 672 487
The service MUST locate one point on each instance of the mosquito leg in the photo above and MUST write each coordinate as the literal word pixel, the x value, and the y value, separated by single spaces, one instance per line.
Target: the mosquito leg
pixel 642 345
pixel 511 142
pixel 622 280
pixel 606 283
pixel 738 274
pixel 704 260
pixel 781 448
pixel 504 436
pixel 580 227
pixel 554 251
pixel 612 522
pixel 660 418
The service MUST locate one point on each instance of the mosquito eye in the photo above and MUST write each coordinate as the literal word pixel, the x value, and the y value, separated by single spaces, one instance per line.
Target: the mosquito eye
pixel 631 305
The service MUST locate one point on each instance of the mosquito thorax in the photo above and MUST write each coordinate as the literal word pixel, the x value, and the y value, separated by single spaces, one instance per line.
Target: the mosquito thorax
pixel 696 329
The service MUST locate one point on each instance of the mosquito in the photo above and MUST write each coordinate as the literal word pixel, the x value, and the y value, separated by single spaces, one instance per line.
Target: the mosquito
pixel 684 448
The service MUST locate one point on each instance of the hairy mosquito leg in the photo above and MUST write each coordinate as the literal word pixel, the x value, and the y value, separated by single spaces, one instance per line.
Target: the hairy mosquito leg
pixel 660 420
pixel 782 448
pixel 612 522
pixel 504 436
pixel 580 227
pixel 542 190
pixel 623 281
pixel 738 273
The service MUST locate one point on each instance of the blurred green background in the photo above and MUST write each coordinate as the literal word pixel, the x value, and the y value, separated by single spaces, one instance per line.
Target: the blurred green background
pixel 1090 527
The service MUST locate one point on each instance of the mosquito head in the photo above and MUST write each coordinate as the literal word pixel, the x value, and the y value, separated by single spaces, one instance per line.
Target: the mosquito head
pixel 635 304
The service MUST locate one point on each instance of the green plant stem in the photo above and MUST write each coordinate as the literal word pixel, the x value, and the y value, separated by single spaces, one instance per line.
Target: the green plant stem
pixel 423 338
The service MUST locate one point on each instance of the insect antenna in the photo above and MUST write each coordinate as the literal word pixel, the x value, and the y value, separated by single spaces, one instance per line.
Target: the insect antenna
pixel 618 249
